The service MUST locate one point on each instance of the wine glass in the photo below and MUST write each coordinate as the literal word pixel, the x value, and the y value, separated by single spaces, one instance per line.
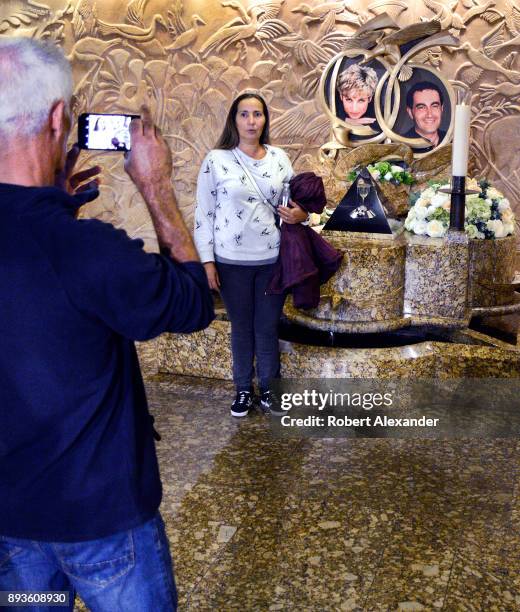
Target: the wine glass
pixel 363 189
pixel 362 212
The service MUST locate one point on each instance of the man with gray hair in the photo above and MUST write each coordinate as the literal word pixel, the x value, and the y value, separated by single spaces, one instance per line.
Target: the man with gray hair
pixel 79 480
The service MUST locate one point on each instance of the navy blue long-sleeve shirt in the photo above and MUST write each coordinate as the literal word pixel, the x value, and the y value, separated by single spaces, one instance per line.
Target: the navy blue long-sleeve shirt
pixel 77 456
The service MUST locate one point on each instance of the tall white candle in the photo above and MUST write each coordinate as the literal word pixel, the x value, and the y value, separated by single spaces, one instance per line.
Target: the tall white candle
pixel 461 140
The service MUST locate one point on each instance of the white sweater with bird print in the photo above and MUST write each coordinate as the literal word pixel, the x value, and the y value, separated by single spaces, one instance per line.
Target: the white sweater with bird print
pixel 232 224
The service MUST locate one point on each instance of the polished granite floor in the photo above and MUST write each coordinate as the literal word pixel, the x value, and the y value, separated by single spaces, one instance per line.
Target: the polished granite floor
pixel 258 523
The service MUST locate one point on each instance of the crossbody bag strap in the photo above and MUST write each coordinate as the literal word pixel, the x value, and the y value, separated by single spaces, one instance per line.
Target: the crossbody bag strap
pixel 263 199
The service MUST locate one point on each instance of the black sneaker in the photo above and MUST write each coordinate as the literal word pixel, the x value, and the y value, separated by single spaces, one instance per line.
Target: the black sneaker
pixel 270 403
pixel 242 404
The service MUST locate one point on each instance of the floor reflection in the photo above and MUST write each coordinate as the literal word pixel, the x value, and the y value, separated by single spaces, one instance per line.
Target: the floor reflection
pixel 258 523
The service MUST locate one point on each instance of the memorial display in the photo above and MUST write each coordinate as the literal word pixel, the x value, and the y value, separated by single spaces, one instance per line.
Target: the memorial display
pixel 399 133
pixel 416 161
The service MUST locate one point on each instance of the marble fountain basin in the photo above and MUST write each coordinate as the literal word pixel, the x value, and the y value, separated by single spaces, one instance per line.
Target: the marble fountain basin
pixel 422 352
pixel 397 308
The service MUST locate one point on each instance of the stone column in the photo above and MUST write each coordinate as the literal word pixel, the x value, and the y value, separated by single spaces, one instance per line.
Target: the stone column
pixel 437 279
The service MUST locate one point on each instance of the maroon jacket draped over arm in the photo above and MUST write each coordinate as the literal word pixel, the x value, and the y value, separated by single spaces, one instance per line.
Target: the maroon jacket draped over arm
pixel 306 260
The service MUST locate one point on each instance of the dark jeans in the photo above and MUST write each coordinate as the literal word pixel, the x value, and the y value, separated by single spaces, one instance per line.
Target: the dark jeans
pixel 254 320
pixel 130 571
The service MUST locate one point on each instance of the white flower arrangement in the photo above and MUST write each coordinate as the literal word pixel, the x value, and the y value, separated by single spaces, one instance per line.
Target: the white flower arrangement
pixel 385 172
pixel 488 213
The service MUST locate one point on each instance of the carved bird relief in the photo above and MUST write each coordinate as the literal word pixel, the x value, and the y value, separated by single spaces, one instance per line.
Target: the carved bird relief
pixel 514 42
pixel 508 90
pixel 84 19
pixel 445 15
pixel 450 20
pixel 271 7
pixel 512 22
pixel 483 62
pixel 366 40
pixel 512 17
pixel 268 33
pixel 133 33
pixel 470 71
pixel 370 33
pixel 379 22
pixel 14 13
pixel 311 53
pixel 287 88
pixel 135 12
pixel 254 23
pixel 328 13
pixel 389 45
pixel 482 10
pixel 302 121
pixel 233 32
pixel 314 54
pixel 185 39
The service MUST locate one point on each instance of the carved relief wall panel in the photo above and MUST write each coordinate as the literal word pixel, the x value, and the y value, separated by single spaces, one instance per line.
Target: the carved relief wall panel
pixel 188 59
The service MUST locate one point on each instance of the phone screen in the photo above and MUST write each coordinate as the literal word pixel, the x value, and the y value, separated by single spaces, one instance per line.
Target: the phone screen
pixel 104 132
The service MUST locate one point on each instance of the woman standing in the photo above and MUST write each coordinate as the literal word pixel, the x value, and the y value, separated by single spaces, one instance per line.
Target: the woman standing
pixel 238 189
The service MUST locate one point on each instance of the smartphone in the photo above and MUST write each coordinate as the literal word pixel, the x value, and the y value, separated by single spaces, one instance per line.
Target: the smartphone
pixel 104 132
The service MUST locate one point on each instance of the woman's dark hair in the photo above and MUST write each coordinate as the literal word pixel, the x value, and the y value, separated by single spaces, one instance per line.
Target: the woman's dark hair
pixel 229 138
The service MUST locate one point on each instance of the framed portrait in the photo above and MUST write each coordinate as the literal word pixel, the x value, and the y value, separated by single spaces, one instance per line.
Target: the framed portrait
pixel 423 117
pixel 368 100
pixel 348 95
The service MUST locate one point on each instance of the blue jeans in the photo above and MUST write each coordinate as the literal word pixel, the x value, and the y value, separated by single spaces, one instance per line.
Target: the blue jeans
pixel 254 318
pixel 126 572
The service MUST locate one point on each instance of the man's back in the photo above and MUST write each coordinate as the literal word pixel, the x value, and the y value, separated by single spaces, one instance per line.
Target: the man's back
pixel 77 458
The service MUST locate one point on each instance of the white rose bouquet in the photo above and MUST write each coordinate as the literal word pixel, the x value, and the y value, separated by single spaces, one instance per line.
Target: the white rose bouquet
pixel 488 213
pixel 385 172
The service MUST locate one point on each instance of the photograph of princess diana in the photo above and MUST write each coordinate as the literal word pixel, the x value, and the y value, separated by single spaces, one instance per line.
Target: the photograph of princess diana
pixel 356 86
pixel 349 88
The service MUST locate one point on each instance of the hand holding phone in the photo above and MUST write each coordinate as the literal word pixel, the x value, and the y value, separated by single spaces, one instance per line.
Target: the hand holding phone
pixel 104 132
pixel 149 163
